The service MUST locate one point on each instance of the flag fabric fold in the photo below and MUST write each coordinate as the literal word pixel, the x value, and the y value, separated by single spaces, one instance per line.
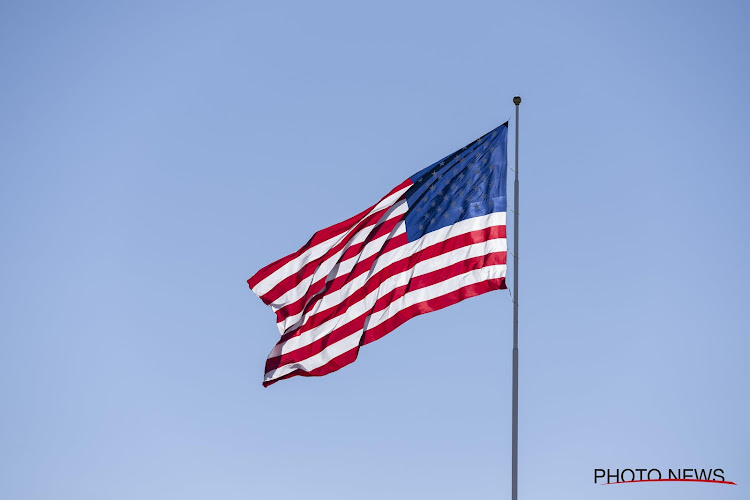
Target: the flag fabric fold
pixel 436 239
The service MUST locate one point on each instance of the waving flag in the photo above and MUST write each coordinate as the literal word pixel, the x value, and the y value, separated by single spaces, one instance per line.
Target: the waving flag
pixel 434 240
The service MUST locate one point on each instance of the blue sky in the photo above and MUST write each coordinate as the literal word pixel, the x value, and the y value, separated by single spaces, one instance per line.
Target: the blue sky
pixel 154 155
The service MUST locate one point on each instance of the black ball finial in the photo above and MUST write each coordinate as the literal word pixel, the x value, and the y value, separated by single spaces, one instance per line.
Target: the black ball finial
pixel 517 100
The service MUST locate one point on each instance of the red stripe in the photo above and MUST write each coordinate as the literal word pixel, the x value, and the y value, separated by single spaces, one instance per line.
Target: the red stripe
pixel 334 364
pixel 293 280
pixel 442 247
pixel 397 320
pixel 387 227
pixel 358 323
pixel 317 238
pixel 323 287
pixel 430 305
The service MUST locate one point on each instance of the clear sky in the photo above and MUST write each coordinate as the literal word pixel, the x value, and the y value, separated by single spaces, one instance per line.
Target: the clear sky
pixel 154 155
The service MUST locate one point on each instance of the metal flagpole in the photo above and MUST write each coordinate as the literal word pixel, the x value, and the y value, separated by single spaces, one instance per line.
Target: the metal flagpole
pixel 516 101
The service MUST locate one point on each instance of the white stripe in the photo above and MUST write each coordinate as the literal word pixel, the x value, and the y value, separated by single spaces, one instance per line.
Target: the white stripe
pixel 366 303
pixel 394 255
pixel 329 264
pixel 344 268
pixel 411 298
pixel 267 284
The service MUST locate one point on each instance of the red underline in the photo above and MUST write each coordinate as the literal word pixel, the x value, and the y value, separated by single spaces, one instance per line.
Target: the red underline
pixel 654 480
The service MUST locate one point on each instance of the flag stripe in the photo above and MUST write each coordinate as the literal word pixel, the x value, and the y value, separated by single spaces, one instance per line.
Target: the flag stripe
pixel 429 245
pixel 394 322
pixel 400 301
pixel 290 314
pixel 377 300
pixel 360 301
pixel 320 243
pixel 394 271
pixel 297 271
pixel 297 285
pixel 433 304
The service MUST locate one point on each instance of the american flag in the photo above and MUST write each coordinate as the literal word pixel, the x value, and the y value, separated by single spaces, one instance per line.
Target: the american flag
pixel 436 239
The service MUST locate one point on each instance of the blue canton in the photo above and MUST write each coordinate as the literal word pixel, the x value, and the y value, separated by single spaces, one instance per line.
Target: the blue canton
pixel 468 183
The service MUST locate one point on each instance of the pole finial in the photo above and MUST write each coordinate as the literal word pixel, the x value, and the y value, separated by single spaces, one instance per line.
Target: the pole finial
pixel 517 100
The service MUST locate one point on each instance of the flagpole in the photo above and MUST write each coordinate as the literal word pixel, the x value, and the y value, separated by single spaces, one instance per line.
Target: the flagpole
pixel 516 101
